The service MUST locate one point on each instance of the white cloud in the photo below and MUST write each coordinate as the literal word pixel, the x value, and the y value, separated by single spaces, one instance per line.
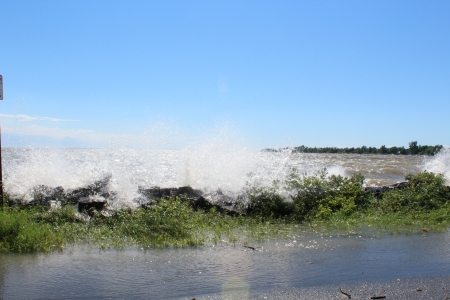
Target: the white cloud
pixel 36 118
pixel 56 133
pixel 157 136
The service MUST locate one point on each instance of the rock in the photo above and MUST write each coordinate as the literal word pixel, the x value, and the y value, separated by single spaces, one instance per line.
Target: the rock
pixel 43 195
pixel 91 202
pixel 155 193
pixel 222 202
pixel 93 196
pixel 54 205
pixel 379 190
pixel 196 198
pixel 98 188
pixel 218 197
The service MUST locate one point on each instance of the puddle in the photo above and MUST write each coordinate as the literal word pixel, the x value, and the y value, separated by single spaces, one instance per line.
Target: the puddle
pixel 305 260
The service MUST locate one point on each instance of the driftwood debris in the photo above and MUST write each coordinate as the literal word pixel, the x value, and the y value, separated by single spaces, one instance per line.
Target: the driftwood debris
pixel 346 294
pixel 378 297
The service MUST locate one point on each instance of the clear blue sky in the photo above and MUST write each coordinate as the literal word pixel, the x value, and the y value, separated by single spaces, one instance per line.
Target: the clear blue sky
pixel 273 73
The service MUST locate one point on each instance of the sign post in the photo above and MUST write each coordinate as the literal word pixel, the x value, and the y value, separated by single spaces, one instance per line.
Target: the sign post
pixel 2 200
pixel 1 173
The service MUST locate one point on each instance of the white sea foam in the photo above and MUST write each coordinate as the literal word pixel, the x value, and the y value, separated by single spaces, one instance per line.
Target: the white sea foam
pixel 209 167
pixel 440 163
pixel 337 170
pixel 217 164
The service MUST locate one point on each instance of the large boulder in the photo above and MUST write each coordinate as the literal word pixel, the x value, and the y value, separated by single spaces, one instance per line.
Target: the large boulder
pixel 196 198
pixel 92 202
pixel 98 188
pixel 93 196
pixel 44 195
pixel 154 194
pixel 225 203
pixel 379 190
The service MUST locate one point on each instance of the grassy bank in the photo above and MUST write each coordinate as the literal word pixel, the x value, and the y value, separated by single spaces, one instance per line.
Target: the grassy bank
pixel 170 223
pixel 319 202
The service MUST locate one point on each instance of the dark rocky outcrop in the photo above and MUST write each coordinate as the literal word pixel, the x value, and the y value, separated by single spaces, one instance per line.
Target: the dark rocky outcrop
pixel 155 193
pixel 196 198
pixel 91 202
pixel 225 203
pixel 95 197
pixel 42 195
pixel 379 190
pixel 98 188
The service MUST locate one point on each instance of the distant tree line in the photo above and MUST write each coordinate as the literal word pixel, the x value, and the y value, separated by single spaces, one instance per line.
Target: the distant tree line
pixel 413 149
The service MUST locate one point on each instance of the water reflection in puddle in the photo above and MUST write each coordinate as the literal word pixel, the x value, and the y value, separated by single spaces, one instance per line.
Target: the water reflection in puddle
pixel 304 260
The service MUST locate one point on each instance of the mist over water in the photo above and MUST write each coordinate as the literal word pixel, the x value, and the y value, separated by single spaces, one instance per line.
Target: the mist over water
pixel 217 164
pixel 207 167
pixel 440 164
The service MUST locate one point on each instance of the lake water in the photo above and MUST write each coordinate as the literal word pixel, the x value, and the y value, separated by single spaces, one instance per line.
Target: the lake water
pixel 234 272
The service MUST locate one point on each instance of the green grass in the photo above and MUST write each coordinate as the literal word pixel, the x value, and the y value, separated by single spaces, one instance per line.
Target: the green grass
pixel 19 233
pixel 320 203
pixel 375 222
pixel 173 223
pixel 170 223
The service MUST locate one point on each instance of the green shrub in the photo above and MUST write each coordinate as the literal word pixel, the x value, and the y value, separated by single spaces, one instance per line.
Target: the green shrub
pixel 266 202
pixel 424 190
pixel 321 195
